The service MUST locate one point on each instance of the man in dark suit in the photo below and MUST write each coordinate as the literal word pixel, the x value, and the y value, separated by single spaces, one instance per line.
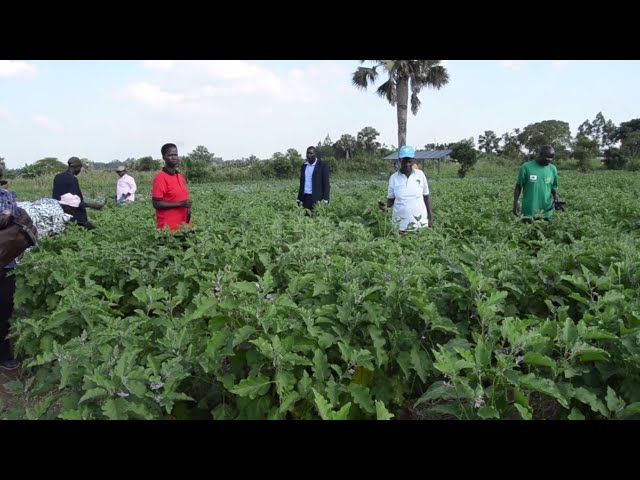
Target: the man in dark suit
pixel 314 181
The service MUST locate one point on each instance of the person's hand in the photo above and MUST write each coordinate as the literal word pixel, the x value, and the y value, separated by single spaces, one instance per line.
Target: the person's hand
pixel 383 206
pixel 127 195
pixel 430 223
pixel 5 218
pixel 516 209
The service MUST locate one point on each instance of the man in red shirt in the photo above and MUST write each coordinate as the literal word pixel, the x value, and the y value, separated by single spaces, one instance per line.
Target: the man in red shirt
pixel 169 192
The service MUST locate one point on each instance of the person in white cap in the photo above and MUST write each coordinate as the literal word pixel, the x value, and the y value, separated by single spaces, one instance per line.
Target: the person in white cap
pixel 126 186
pixel 408 194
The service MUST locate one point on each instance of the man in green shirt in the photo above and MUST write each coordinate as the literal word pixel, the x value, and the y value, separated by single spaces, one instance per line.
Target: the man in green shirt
pixel 538 182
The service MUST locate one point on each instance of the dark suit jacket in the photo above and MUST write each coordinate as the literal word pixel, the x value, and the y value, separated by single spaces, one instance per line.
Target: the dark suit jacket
pixel 320 185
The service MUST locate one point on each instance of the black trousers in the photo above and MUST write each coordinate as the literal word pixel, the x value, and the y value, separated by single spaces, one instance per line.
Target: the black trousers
pixel 307 202
pixel 7 291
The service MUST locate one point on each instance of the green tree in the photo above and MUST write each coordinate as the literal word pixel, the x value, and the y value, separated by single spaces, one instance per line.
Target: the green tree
pixel 614 159
pixel 548 132
pixel 367 140
pixel 148 164
pixel 465 154
pixel 585 149
pixel 402 76
pixel 489 142
pixel 346 146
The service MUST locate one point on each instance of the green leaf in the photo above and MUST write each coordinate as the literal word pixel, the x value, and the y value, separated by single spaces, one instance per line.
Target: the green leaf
pixel 285 301
pixel 93 393
pixel 343 413
pixel 614 403
pixel 288 401
pixel 362 397
pixel 242 334
pixel 633 407
pixel 597 334
pixel 320 365
pixel 324 407
pixel 247 287
pixel 252 387
pixel 115 409
pixel 14 387
pixel 575 414
pixel 543 385
pixel 535 358
pixel 420 362
pixel 70 415
pixel 487 411
pixel 320 287
pixel 285 381
pixel 520 398
pixel 136 387
pixel 482 353
pixel 569 332
pixel 404 360
pixel 437 390
pixel 378 345
pixel 381 411
pixel 525 412
pixel 589 398
pixel 588 353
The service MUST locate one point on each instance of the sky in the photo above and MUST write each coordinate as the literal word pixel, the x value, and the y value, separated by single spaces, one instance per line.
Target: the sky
pixel 108 109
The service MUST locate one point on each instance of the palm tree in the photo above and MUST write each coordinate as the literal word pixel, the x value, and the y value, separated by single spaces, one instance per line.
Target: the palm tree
pixel 403 75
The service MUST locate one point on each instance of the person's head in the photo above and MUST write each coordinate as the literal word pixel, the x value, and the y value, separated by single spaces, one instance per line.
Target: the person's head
pixel 75 165
pixel 546 154
pixel 169 153
pixel 3 183
pixel 311 155
pixel 121 170
pixel 406 155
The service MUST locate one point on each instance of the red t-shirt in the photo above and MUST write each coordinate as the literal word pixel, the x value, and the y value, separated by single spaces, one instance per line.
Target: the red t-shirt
pixel 170 188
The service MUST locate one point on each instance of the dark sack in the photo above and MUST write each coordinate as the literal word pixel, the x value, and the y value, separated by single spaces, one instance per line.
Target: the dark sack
pixel 19 235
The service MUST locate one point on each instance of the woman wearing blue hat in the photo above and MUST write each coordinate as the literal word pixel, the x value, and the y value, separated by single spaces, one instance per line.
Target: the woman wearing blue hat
pixel 408 194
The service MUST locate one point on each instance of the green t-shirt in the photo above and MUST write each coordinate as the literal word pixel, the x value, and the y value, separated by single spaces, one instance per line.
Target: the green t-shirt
pixel 537 184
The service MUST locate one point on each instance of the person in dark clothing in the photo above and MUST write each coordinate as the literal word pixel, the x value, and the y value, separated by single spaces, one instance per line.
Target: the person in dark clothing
pixel 66 182
pixel 314 181
pixel 8 212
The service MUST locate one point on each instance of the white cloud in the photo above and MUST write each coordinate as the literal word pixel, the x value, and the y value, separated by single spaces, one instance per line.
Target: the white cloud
pixel 560 64
pixel 514 65
pixel 150 95
pixel 159 65
pixel 17 69
pixel 211 79
pixel 47 122
pixel 4 113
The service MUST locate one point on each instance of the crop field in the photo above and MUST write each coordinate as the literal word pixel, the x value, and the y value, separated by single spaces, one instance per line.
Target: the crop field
pixel 262 312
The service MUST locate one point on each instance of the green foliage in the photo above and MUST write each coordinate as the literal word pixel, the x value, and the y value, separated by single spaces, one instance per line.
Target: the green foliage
pixel 466 156
pixel 548 132
pixel 262 312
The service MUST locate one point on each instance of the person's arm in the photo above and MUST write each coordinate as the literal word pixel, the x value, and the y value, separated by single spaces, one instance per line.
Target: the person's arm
pixel 157 194
pixel 301 187
pixel 516 196
pixel 554 187
pixel 159 204
pixel 391 198
pixel 518 189
pixel 326 186
pixel 132 187
pixel 427 199
pixel 60 186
